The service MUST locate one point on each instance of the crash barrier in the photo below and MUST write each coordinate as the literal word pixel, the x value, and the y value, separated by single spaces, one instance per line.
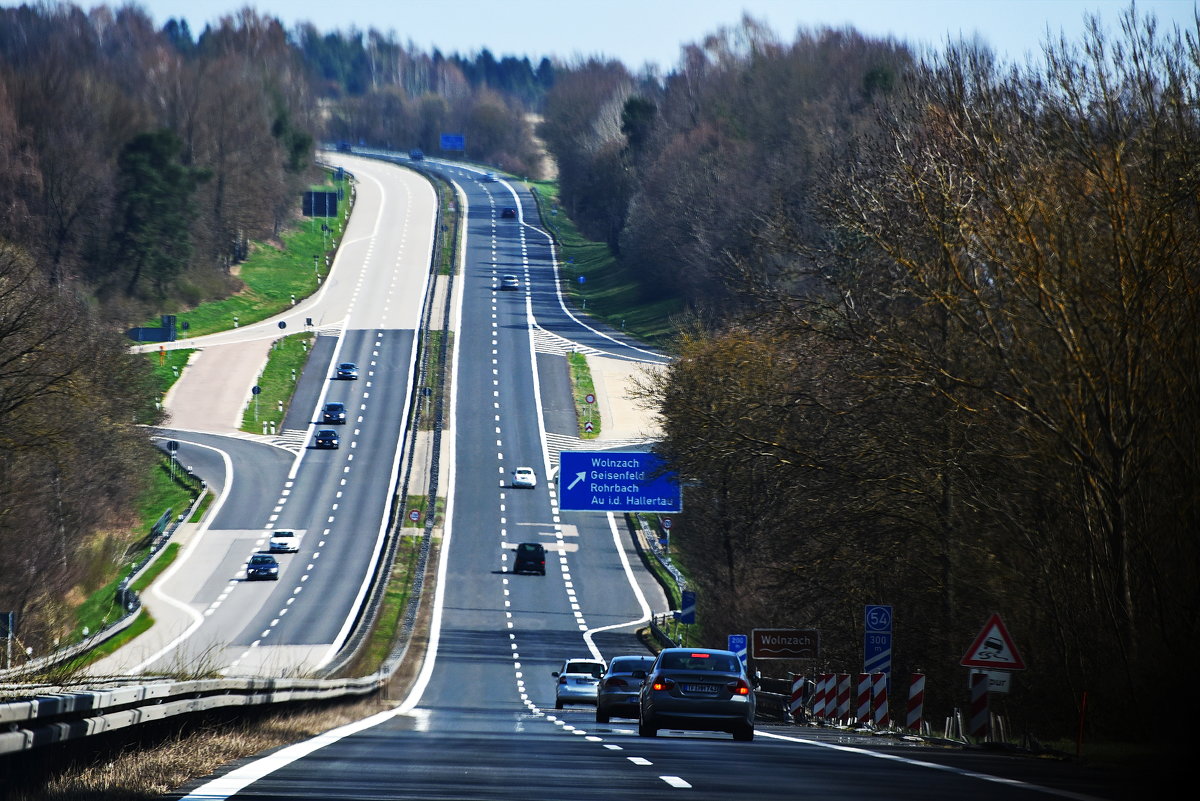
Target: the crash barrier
pixel 57 717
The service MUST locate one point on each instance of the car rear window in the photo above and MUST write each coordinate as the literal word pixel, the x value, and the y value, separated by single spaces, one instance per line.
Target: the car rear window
pixel 630 665
pixel 590 668
pixel 698 660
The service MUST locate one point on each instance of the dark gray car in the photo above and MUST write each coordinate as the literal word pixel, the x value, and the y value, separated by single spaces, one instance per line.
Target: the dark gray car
pixel 617 696
pixel 697 689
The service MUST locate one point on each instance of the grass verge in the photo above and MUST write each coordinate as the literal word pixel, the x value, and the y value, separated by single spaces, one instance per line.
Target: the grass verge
pixel 168 366
pixel 277 384
pixel 429 388
pixel 598 284
pixel 587 413
pixel 395 602
pixel 449 244
pixel 419 504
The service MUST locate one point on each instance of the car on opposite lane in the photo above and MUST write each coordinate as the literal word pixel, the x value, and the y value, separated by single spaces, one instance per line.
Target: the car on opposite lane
pixel 333 413
pixel 617 695
pixel 697 689
pixel 326 439
pixel 262 566
pixel 577 682
pixel 524 477
pixel 284 541
pixel 346 371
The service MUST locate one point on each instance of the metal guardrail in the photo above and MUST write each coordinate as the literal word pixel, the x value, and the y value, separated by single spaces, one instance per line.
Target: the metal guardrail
pixel 57 717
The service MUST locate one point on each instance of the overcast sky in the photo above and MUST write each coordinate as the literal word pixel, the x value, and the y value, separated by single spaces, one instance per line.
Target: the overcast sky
pixel 640 31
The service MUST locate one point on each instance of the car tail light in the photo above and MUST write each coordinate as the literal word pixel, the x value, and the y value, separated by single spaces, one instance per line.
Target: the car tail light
pixel 739 687
pixel 562 679
pixel 662 683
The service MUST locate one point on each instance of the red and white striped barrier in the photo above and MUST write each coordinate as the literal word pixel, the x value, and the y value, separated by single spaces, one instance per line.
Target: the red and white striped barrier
pixel 915 718
pixel 796 707
pixel 862 704
pixel 843 698
pixel 823 701
pixel 879 701
pixel 979 721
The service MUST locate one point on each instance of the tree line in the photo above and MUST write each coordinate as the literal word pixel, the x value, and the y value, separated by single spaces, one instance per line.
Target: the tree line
pixel 942 346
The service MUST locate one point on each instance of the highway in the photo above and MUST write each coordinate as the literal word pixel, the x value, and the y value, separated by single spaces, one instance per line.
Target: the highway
pixel 208 617
pixel 480 721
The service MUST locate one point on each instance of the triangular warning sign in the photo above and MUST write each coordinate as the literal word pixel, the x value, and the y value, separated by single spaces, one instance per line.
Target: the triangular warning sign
pixel 993 648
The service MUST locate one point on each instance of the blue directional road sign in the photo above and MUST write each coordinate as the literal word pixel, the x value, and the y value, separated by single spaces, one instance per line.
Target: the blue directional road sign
pixel 877 639
pixel 610 481
pixel 453 141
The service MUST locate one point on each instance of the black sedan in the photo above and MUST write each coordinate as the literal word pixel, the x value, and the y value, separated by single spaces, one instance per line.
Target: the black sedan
pixel 326 438
pixel 698 690
pixel 333 413
pixel 262 566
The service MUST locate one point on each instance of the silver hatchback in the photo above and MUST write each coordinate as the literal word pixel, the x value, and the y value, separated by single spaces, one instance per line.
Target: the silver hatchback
pixel 697 689
pixel 577 681
pixel 617 696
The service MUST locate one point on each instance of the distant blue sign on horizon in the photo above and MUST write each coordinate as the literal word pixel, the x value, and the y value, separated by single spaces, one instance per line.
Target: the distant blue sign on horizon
pixel 616 481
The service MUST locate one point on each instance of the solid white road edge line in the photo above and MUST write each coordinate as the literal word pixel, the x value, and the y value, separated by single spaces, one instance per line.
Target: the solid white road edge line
pixel 156 587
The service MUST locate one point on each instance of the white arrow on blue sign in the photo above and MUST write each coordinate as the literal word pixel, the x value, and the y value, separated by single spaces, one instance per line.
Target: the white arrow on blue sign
pixel 617 481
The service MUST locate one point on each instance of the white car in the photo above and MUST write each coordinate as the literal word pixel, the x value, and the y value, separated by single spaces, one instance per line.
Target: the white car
pixel 490 177
pixel 524 477
pixel 577 681
pixel 284 541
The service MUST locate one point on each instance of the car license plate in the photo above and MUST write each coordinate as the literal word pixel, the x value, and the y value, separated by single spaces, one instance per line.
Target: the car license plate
pixel 702 689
